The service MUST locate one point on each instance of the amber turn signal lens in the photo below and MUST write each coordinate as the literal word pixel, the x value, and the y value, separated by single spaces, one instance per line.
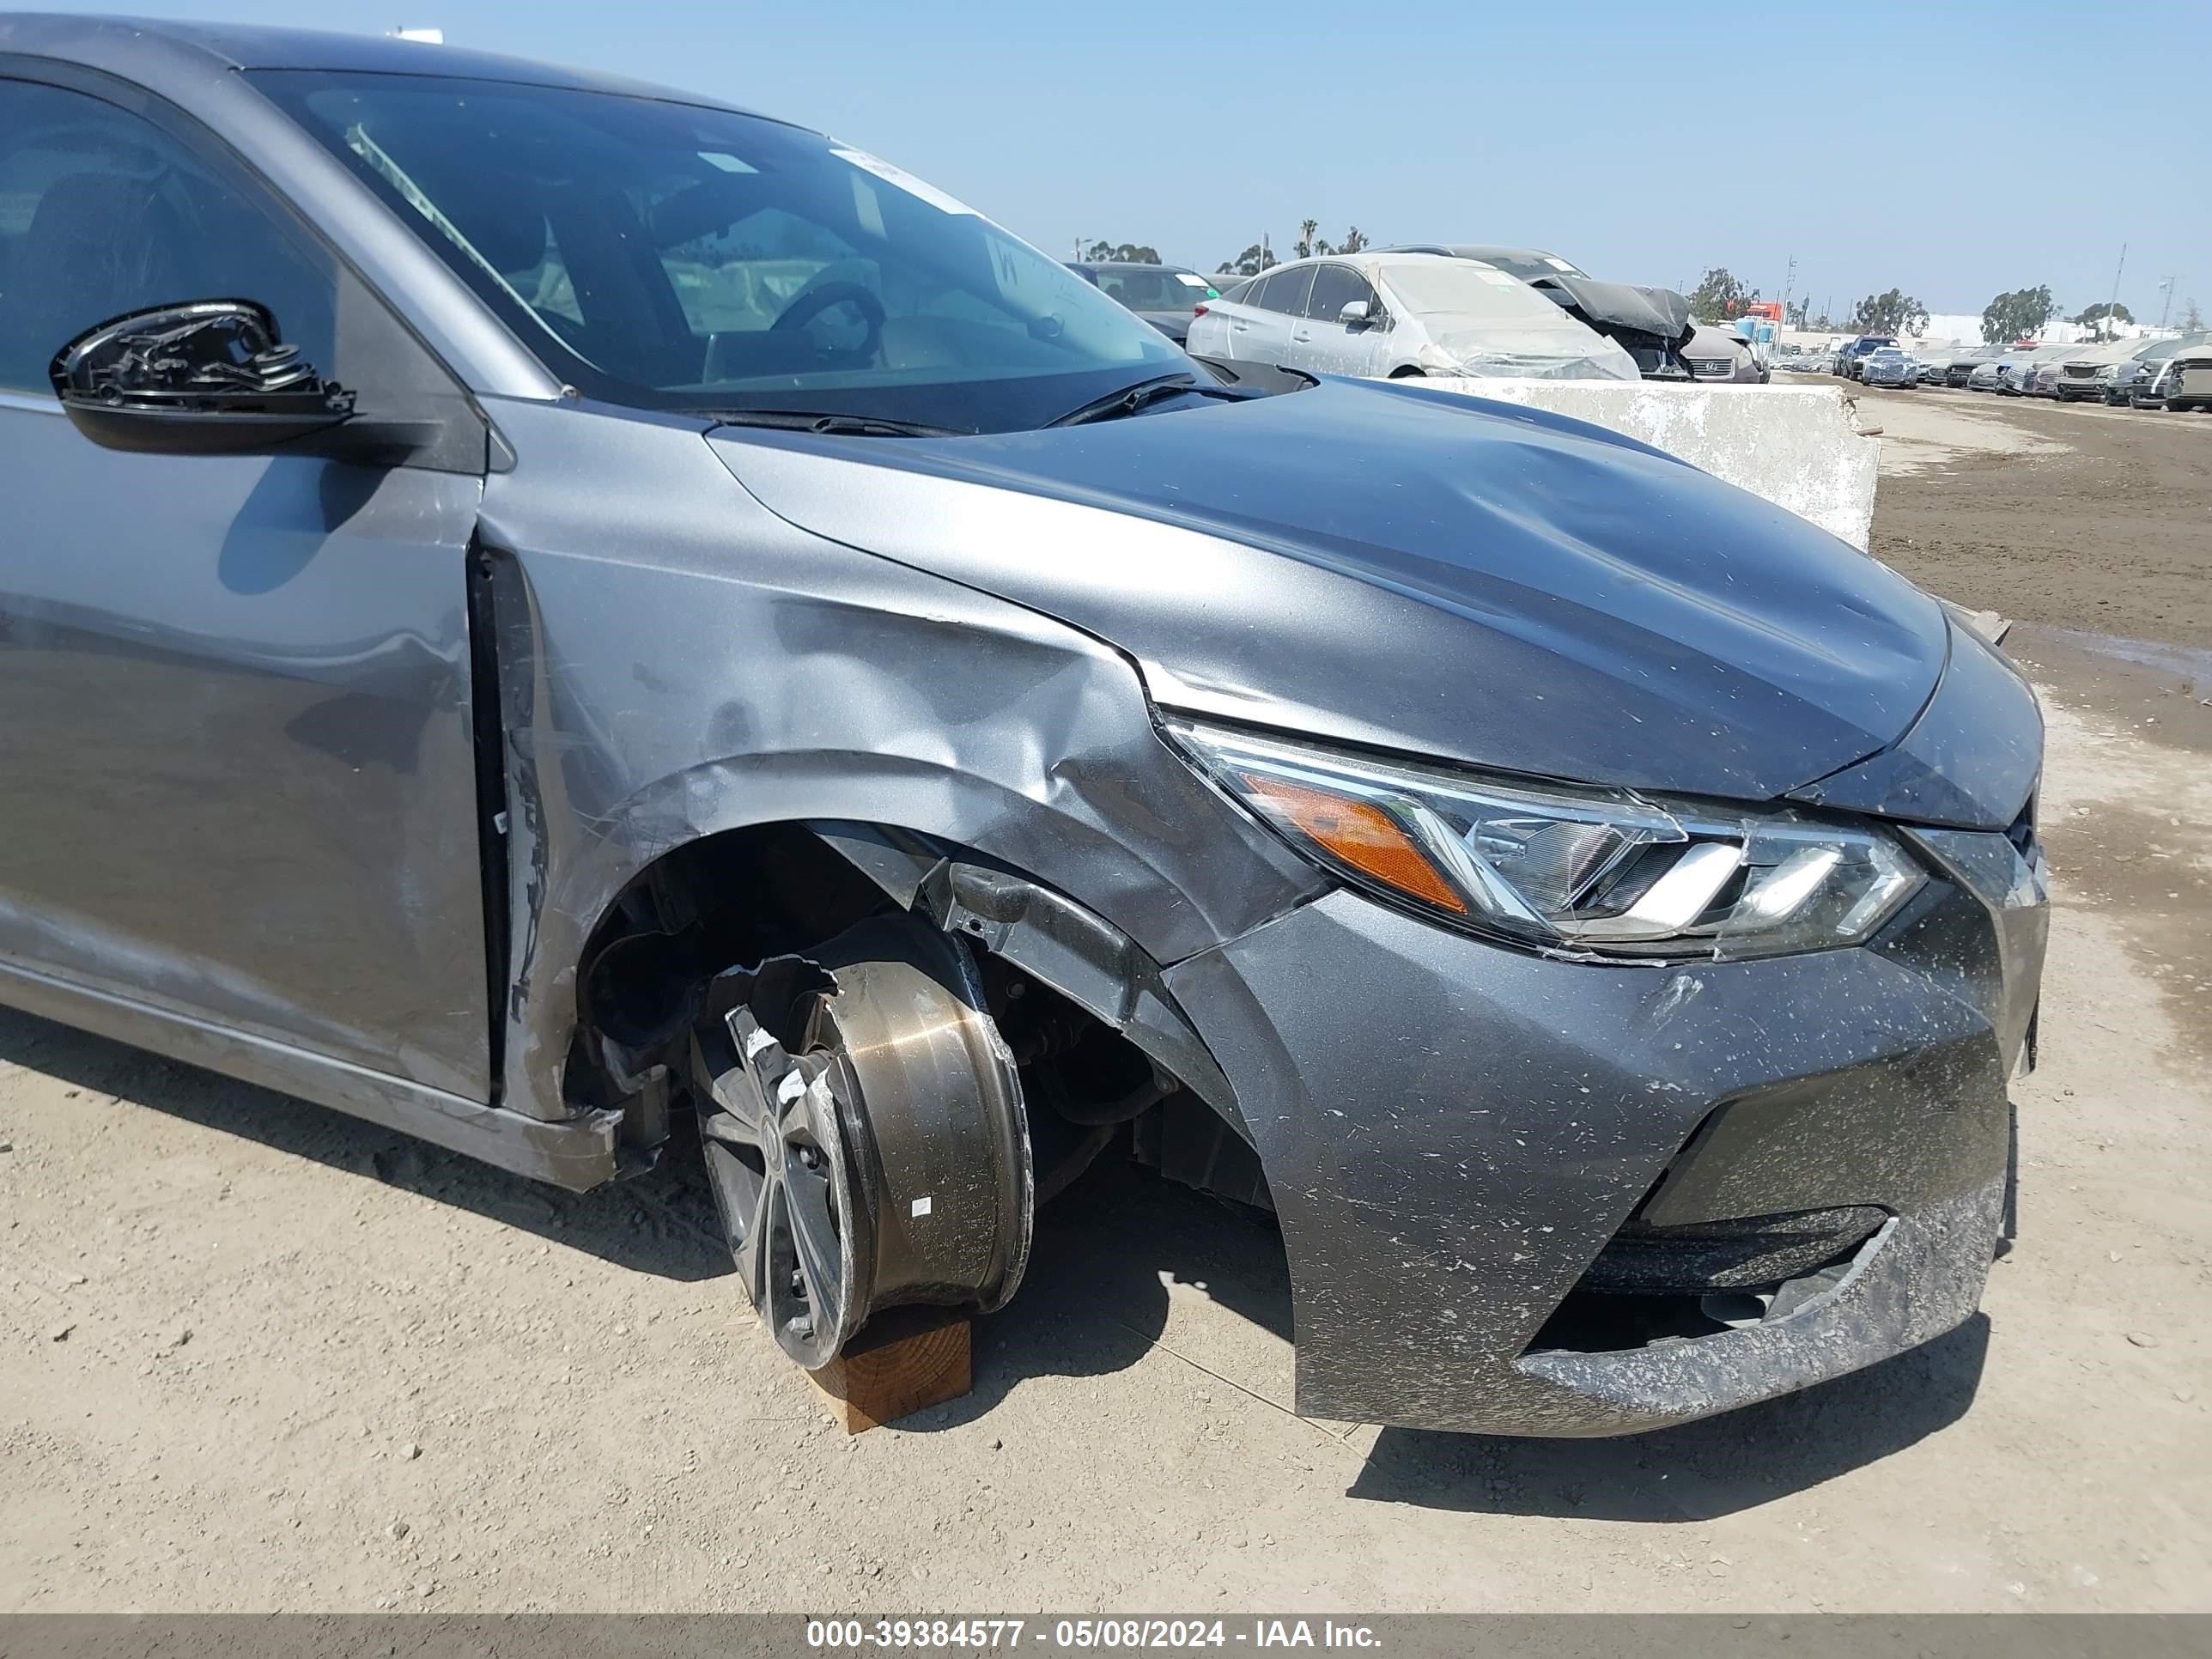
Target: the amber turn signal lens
pixel 1360 834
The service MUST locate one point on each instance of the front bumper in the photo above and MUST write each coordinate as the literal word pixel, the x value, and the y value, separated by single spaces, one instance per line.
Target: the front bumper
pixel 1459 1139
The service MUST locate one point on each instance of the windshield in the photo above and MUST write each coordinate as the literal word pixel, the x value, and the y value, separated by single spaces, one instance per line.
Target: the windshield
pixel 680 256
pixel 1466 287
pixel 1154 287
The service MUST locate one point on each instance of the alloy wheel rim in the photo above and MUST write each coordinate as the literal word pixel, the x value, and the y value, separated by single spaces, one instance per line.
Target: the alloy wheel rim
pixel 787 1200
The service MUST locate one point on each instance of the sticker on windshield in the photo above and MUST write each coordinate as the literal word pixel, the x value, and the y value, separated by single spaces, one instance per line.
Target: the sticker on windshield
pixel 900 179
pixel 1189 281
pixel 1558 263
pixel 1496 278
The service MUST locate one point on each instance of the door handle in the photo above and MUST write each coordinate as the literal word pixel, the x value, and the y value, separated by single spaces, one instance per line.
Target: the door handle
pixel 1301 335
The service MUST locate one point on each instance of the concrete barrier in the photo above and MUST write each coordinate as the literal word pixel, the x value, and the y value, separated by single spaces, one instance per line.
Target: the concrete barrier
pixel 1797 446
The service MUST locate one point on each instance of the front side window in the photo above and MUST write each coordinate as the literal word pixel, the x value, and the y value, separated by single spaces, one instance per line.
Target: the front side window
pixel 1335 287
pixel 680 256
pixel 102 213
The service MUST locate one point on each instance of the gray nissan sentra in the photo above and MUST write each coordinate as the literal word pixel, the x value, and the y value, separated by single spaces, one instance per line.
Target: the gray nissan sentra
pixel 554 615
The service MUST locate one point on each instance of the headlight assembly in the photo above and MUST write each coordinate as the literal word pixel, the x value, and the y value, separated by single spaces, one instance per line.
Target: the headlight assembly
pixel 1608 873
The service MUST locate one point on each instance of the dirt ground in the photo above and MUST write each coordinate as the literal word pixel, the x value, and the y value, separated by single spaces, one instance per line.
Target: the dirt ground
pixel 255 1356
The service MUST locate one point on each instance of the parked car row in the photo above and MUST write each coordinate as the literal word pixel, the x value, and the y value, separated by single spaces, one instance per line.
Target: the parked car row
pixel 1436 308
pixel 1854 352
pixel 2173 373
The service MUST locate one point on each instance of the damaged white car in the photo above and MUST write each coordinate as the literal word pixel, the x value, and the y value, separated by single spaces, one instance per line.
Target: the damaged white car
pixel 1395 315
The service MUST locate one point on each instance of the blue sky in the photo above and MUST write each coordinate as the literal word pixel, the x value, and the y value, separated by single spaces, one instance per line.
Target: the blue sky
pixel 1645 142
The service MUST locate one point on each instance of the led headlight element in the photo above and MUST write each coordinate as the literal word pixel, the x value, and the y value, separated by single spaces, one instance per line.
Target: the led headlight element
pixel 1604 870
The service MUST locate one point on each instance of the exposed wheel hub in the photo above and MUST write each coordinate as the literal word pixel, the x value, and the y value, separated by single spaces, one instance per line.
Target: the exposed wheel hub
pixel 864 1134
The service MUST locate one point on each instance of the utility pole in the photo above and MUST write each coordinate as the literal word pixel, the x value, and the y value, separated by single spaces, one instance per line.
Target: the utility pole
pixel 2110 321
pixel 1789 282
pixel 2168 286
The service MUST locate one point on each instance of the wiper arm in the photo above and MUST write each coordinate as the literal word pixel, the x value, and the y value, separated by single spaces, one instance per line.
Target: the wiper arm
pixel 1131 399
pixel 843 426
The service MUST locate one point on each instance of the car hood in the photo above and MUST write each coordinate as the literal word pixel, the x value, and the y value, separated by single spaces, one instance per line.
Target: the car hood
pixel 1610 306
pixel 1412 570
pixel 1570 353
pixel 1717 342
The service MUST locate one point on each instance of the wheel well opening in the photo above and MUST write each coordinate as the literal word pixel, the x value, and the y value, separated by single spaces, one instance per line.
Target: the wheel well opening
pixel 722 900
pixel 739 898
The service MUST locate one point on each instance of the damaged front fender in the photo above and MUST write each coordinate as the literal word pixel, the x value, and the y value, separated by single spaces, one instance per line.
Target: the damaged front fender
pixel 674 661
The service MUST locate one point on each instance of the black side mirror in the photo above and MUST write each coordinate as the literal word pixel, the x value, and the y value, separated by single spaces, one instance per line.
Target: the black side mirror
pixel 210 377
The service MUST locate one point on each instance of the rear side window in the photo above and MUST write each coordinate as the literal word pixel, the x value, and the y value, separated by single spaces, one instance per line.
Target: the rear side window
pixel 1335 287
pixel 102 213
pixel 1287 290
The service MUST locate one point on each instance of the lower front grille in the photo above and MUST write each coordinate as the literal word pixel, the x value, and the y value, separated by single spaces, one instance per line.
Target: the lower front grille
pixel 1749 1253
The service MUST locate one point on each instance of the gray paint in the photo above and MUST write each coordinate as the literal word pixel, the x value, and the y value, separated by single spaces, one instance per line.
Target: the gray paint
pixel 1442 1181
pixel 678 661
pixel 1413 570
pixel 1921 1276
pixel 245 826
pixel 1973 758
pixel 235 701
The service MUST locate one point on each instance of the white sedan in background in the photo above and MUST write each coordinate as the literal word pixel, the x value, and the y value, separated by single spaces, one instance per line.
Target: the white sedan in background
pixel 1402 315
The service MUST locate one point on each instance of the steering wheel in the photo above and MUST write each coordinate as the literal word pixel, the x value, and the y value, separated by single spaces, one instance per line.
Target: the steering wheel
pixel 816 300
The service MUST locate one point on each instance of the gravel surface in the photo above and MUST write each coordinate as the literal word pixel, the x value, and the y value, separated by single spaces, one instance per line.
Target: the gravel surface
pixel 256 1355
pixel 2076 516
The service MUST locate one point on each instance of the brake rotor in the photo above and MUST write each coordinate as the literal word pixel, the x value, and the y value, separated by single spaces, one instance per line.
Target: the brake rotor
pixel 864 1134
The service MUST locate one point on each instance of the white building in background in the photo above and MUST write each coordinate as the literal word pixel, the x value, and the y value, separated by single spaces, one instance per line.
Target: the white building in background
pixel 1965 328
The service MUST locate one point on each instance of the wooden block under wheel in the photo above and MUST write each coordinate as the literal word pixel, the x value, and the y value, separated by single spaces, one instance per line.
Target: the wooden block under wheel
pixel 887 1374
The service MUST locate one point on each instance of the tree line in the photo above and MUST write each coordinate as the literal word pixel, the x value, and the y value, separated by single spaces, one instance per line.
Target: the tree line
pixel 1250 263
pixel 1721 297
